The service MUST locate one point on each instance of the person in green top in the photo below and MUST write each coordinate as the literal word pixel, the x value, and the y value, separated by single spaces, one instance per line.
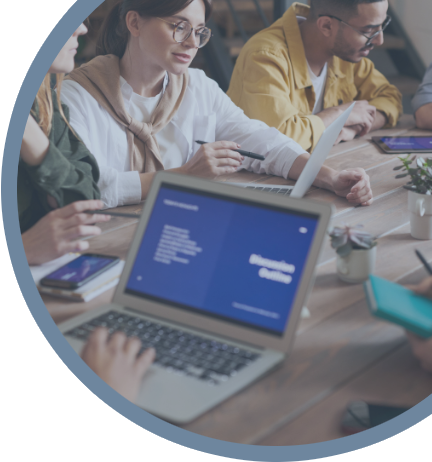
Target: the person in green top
pixel 57 175
pixel 57 181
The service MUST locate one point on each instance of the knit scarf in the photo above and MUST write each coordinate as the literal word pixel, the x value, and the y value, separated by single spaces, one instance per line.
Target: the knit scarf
pixel 101 78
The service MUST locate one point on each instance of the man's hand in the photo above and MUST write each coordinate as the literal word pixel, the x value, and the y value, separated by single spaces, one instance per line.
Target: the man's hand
pixel 61 231
pixel 363 114
pixel 116 361
pixel 354 184
pixel 422 348
pixel 349 133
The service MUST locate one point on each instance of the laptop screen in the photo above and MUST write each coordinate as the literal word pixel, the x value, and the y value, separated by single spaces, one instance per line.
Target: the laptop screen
pixel 223 257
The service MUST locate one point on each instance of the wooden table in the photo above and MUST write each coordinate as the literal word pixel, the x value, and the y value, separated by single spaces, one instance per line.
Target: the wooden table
pixel 341 352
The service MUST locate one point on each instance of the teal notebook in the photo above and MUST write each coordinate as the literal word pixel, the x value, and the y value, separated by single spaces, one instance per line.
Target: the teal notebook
pixel 399 305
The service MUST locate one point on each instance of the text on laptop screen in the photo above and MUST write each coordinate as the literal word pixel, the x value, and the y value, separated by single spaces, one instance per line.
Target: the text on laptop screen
pixel 223 257
pixel 408 143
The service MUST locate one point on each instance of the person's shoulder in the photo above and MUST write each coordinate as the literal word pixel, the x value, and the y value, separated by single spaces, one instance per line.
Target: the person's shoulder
pixel 199 80
pixel 270 40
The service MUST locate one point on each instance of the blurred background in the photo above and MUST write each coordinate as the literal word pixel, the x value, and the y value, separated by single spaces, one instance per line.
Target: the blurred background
pixel 403 58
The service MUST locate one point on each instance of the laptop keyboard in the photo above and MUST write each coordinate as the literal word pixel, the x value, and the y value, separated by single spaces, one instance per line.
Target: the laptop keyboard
pixel 270 189
pixel 182 352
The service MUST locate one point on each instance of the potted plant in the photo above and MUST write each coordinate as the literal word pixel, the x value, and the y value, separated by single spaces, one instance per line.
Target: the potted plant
pixel 419 195
pixel 356 252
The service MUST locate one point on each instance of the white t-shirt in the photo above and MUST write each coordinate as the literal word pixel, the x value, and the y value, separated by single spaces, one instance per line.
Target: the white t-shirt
pixel 319 88
pixel 141 109
pixel 318 82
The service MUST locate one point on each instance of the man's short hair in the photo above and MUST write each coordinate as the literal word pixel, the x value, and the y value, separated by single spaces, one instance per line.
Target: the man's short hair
pixel 335 7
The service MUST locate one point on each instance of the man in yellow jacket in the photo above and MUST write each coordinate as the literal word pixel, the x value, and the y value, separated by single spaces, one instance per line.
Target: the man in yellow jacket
pixel 300 74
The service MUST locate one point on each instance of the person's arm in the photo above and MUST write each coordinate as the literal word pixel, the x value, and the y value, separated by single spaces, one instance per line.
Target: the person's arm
pixel 283 156
pixel 422 348
pixel 61 231
pixel 260 87
pixel 35 143
pixel 116 361
pixel 373 87
pixel 59 167
pixel 422 102
pixel 423 117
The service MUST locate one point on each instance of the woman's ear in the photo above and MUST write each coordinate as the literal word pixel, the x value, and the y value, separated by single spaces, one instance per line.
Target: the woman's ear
pixel 132 23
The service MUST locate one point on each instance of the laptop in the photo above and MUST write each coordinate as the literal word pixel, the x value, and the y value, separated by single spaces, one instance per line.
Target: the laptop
pixel 214 280
pixel 312 167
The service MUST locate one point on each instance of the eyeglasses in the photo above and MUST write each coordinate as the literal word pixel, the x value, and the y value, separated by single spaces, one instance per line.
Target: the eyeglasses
pixel 369 37
pixel 183 30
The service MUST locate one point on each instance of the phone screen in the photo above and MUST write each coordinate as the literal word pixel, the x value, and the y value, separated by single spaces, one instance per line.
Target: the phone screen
pixel 80 269
pixel 408 143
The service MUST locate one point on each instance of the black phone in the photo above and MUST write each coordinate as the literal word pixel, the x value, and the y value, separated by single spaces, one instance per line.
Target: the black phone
pixel 361 416
pixel 79 271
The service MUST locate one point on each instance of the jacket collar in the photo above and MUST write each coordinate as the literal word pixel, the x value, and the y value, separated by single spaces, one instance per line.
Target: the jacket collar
pixel 296 49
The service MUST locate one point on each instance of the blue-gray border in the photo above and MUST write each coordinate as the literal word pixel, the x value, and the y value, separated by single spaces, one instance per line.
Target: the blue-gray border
pixel 64 29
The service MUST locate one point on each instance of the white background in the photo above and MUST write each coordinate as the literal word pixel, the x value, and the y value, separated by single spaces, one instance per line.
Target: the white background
pixel 45 412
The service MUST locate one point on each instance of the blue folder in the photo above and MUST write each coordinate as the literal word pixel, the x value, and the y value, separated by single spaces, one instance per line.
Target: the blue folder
pixel 399 305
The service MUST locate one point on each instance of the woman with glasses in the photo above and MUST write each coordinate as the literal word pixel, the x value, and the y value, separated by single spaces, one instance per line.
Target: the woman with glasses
pixel 139 108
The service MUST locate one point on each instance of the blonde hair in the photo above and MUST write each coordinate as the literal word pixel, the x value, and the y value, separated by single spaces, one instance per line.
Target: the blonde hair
pixel 45 103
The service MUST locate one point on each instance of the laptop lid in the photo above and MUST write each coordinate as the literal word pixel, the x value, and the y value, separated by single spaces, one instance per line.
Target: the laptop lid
pixel 225 260
pixel 320 153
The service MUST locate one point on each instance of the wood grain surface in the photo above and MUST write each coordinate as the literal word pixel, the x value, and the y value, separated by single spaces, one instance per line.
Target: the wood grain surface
pixel 341 352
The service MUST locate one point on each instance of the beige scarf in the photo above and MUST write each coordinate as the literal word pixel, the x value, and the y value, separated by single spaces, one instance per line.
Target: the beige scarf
pixel 101 78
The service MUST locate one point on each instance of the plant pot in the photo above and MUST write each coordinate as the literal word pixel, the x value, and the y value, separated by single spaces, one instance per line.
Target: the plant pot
pixel 420 207
pixel 357 265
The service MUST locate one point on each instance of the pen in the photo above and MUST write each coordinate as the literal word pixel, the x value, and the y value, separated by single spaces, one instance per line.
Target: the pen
pixel 113 214
pixel 240 151
pixel 423 260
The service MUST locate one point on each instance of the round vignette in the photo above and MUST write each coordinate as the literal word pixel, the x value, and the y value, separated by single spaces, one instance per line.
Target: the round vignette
pixel 49 50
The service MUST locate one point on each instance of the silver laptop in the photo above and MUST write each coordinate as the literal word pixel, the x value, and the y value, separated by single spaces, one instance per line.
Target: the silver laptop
pixel 214 280
pixel 313 166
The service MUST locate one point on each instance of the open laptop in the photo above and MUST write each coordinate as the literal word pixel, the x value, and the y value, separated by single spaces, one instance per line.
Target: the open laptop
pixel 214 280
pixel 312 167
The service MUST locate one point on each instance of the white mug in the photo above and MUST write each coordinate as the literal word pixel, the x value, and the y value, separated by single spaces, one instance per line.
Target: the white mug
pixel 420 206
pixel 357 265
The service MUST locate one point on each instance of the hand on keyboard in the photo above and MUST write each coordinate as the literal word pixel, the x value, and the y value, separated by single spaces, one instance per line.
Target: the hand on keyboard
pixel 115 360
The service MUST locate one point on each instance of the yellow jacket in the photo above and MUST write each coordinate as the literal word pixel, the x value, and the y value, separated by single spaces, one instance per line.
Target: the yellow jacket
pixel 271 82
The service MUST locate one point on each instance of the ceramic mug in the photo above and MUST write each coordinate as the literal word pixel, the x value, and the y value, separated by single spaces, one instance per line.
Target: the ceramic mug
pixel 357 265
pixel 420 207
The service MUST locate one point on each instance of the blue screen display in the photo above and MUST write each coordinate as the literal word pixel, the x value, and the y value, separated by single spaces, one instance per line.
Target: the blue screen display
pixel 79 269
pixel 408 143
pixel 221 257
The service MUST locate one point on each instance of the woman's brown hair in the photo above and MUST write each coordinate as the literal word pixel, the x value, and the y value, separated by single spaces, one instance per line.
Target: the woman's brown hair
pixel 45 103
pixel 114 35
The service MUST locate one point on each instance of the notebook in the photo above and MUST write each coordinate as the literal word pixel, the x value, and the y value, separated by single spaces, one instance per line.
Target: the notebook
pixel 399 305
pixel 313 166
pixel 215 280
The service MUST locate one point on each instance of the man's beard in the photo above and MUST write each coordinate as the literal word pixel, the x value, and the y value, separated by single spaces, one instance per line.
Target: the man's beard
pixel 343 51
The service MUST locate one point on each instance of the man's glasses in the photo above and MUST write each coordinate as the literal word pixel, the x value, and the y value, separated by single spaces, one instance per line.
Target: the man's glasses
pixel 369 37
pixel 183 30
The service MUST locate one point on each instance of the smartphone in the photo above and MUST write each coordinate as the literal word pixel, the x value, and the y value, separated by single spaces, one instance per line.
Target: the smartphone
pixel 79 271
pixel 362 416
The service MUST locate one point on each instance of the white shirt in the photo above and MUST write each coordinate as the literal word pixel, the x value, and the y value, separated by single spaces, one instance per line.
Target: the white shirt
pixel 318 83
pixel 206 113
pixel 319 88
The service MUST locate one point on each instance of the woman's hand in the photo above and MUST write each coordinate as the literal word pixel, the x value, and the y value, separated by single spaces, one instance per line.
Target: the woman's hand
pixel 213 159
pixel 115 360
pixel 61 232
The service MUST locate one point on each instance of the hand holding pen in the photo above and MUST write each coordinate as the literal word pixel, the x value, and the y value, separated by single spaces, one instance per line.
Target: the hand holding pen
pixel 240 151
pixel 213 159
